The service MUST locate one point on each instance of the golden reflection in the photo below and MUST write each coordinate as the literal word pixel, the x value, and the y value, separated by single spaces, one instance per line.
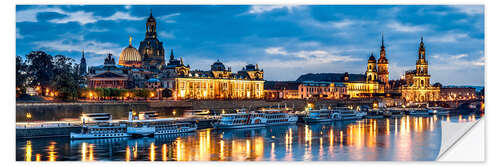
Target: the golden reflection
pixel 84 151
pixel 222 150
pixel 127 153
pixel 91 152
pixel 164 152
pixel 387 127
pixel 273 156
pixel 28 150
pixel 38 157
pixel 52 153
pixel 178 152
pixel 152 152
pixel 134 149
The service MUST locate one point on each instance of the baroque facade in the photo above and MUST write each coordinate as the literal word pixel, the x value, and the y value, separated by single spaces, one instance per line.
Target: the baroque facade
pixel 417 87
pixel 217 83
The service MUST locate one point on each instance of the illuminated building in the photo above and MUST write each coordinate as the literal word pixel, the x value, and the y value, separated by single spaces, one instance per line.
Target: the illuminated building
pixel 281 89
pixel 218 83
pixel 130 57
pixel 417 87
pixel 452 93
pixel 323 90
pixel 108 75
pixel 383 67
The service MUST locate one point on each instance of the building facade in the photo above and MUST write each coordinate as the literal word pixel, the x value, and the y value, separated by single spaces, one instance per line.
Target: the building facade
pixel 418 87
pixel 452 93
pixel 108 75
pixel 281 90
pixel 218 83
pixel 322 90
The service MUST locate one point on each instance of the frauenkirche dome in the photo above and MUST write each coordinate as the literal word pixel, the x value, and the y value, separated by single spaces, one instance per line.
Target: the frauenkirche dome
pixel 130 57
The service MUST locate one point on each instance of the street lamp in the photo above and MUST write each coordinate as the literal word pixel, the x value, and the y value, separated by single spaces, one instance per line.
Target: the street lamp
pixel 28 117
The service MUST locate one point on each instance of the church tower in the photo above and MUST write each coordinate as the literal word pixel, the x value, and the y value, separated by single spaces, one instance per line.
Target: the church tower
pixel 151 49
pixel 383 66
pixel 83 64
pixel 422 77
pixel 371 69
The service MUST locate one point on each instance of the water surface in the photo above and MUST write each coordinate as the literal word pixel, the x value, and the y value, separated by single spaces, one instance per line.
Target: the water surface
pixel 401 139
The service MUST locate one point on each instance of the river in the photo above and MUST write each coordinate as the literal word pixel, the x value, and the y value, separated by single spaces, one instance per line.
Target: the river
pixel 399 139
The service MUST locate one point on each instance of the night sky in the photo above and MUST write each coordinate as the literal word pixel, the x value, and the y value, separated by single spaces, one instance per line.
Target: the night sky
pixel 286 41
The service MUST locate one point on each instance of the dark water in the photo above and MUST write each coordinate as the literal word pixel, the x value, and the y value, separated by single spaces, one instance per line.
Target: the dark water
pixel 406 138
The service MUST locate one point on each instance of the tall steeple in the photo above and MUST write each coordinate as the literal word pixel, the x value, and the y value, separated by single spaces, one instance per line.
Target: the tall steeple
pixel 151 26
pixel 421 50
pixel 171 54
pixel 83 64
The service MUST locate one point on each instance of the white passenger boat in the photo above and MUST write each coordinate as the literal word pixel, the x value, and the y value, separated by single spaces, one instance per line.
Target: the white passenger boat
pixel 321 115
pixel 148 123
pixel 279 117
pixel 438 111
pixel 347 114
pixel 99 125
pixel 419 112
pixel 240 120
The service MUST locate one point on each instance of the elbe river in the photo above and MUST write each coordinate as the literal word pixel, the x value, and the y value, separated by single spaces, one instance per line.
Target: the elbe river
pixel 390 139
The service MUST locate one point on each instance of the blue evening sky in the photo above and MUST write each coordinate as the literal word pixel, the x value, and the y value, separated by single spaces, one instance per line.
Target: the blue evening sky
pixel 286 41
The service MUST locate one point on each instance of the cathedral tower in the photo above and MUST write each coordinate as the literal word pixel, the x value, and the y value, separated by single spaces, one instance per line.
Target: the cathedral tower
pixel 383 66
pixel 83 64
pixel 151 49
pixel 371 69
pixel 422 76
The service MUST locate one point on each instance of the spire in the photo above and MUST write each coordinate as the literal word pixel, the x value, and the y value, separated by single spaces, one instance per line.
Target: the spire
pixel 182 62
pixel 171 54
pixel 83 53
pixel 150 12
pixel 383 40
pixel 130 40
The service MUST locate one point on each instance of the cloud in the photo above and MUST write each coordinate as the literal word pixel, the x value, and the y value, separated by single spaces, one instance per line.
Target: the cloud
pixel 470 9
pixel 458 61
pixel 81 17
pixel 18 34
pixel 449 38
pixel 30 15
pixel 168 18
pixel 121 16
pixel 397 26
pixel 163 34
pixel 307 57
pixel 76 43
pixel 259 9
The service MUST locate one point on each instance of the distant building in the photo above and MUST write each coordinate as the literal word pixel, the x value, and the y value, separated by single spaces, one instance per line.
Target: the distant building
pixel 130 57
pixel 108 75
pixel 281 89
pixel 322 90
pixel 356 85
pixel 83 64
pixel 452 93
pixel 417 87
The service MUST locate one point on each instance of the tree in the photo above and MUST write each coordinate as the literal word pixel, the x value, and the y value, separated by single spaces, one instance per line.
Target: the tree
pixel 40 69
pixel 21 77
pixel 64 80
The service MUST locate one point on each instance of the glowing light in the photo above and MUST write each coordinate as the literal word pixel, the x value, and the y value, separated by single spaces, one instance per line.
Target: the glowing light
pixel 152 153
pixel 28 150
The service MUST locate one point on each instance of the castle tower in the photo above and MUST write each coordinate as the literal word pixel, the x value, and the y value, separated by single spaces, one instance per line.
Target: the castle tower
pixel 383 66
pixel 371 69
pixel 83 64
pixel 422 77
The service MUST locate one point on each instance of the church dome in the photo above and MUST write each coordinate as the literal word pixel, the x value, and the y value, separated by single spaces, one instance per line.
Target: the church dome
pixel 218 66
pixel 130 57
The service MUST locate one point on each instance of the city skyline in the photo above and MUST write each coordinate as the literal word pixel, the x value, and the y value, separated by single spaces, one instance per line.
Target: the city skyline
pixel 296 39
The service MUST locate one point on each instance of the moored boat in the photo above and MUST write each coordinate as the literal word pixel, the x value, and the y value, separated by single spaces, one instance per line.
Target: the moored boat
pixel 240 120
pixel 99 125
pixel 279 117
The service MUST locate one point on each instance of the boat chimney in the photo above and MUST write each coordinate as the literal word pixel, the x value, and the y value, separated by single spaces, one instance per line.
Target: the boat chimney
pixel 130 115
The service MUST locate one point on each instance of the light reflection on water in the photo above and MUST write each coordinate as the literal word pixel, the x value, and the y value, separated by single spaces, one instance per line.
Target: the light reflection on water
pixel 405 138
